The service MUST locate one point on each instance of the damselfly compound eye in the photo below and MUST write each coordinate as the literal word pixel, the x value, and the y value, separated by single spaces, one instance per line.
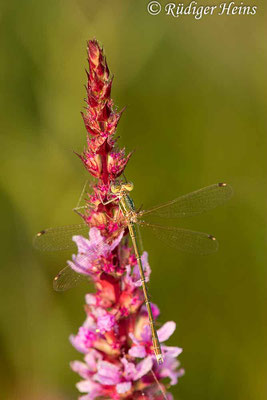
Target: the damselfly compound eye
pixel 128 186
pixel 115 188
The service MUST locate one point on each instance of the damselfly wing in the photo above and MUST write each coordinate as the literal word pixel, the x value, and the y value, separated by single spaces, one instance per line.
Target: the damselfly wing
pixel 59 238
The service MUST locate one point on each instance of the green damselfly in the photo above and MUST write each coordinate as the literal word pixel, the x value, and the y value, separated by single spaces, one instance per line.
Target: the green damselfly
pixel 194 203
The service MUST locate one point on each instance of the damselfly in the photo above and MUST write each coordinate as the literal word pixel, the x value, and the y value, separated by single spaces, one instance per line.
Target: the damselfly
pixel 183 239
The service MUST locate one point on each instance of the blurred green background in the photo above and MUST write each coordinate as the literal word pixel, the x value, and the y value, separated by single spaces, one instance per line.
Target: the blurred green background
pixel 195 93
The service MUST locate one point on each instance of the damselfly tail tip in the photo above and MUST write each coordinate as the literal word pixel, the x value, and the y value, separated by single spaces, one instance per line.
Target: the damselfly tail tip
pixel 159 358
pixel 222 184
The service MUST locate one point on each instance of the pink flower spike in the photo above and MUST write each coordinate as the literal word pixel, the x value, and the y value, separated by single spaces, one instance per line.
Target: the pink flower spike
pixel 115 339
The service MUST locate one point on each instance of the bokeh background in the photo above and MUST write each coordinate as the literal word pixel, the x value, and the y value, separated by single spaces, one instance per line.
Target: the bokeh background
pixel 195 93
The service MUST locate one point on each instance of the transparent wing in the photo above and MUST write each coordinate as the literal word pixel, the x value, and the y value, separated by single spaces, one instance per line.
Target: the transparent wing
pixel 59 238
pixel 184 239
pixel 193 203
pixel 68 279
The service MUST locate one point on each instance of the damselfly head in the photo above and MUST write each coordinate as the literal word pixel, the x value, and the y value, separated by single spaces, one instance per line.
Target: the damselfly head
pixel 121 187
pixel 128 186
pixel 115 188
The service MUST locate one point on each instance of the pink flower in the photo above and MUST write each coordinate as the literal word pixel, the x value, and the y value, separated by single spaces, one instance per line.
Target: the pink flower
pixel 117 162
pixel 107 373
pixel 119 377
pixel 133 275
pixel 84 340
pixel 90 251
pixel 141 346
pixel 106 322
pixel 92 163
